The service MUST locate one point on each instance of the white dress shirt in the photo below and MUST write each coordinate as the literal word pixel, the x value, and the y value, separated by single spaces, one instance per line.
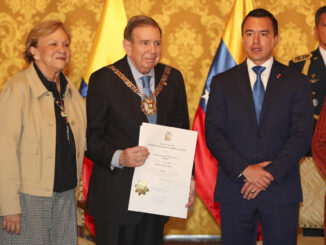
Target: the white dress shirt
pixel 264 75
pixel 323 54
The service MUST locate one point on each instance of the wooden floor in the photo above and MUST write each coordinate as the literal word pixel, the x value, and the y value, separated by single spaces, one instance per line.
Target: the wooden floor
pixel 301 241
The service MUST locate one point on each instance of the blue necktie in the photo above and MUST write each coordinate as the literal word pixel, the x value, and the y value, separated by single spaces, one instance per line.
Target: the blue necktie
pixel 146 89
pixel 147 92
pixel 258 91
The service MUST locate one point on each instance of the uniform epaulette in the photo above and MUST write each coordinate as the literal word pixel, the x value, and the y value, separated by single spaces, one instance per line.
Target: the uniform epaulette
pixel 301 58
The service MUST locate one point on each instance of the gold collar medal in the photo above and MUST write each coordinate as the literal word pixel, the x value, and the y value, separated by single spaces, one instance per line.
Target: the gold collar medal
pixel 148 103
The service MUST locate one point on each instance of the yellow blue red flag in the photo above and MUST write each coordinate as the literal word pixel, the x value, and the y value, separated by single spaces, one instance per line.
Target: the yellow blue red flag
pixel 107 45
pixel 107 48
pixel 228 55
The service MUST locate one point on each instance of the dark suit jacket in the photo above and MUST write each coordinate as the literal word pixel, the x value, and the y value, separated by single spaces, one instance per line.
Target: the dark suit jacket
pixel 316 74
pixel 283 135
pixel 114 117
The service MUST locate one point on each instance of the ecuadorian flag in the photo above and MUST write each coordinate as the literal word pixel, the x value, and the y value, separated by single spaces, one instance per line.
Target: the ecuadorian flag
pixel 107 48
pixel 229 54
pixel 107 45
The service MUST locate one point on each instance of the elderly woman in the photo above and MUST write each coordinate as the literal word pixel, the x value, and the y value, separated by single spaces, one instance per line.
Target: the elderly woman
pixel 42 144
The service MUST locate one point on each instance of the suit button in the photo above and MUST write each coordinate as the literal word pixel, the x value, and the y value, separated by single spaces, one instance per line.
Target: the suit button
pixel 259 136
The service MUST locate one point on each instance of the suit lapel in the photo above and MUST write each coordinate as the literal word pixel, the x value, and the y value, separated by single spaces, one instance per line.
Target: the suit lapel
pixel 134 100
pixel 123 66
pixel 160 109
pixel 243 83
pixel 317 66
pixel 318 58
pixel 274 83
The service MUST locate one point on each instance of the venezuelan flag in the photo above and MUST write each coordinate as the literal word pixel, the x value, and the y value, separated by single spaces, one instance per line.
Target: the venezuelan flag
pixel 107 48
pixel 229 54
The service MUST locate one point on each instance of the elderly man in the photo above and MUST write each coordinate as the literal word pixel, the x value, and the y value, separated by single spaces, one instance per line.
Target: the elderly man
pixel 258 126
pixel 121 97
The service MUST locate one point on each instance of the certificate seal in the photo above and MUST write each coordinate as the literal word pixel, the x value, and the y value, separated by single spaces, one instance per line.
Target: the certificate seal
pixel 142 187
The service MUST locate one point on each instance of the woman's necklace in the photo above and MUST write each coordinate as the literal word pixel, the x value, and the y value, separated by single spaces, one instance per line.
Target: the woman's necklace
pixel 61 104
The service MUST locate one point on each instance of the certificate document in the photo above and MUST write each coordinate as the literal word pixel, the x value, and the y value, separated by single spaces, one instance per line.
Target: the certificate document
pixel 162 184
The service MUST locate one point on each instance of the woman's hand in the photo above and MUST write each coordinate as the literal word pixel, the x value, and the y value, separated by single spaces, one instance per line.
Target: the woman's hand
pixel 11 223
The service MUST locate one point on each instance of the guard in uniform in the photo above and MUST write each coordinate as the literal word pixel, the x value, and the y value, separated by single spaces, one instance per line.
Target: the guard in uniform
pixel 313 65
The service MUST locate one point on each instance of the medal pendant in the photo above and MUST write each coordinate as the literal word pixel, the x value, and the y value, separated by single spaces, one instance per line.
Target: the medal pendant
pixel 148 106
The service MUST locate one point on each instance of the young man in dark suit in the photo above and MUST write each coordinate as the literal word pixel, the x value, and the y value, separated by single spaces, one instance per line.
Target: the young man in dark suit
pixel 120 98
pixel 258 126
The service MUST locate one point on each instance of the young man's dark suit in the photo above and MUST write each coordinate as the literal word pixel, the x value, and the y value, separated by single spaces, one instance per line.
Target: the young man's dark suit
pixel 235 140
pixel 114 117
pixel 313 66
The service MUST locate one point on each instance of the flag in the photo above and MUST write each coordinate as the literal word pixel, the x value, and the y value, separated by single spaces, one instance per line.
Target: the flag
pixel 229 54
pixel 107 45
pixel 106 49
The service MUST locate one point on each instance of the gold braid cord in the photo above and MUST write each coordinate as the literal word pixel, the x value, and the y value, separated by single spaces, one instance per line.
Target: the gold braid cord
pixel 306 66
pixel 148 103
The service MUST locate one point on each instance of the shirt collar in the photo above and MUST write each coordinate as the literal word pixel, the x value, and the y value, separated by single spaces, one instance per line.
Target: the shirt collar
pixel 264 75
pixel 268 64
pixel 323 54
pixel 135 73
pixel 51 86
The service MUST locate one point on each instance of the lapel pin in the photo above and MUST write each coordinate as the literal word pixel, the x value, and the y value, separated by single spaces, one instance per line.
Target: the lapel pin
pixel 278 75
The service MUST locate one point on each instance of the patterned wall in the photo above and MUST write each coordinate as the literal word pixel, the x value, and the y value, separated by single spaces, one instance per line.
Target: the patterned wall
pixel 191 34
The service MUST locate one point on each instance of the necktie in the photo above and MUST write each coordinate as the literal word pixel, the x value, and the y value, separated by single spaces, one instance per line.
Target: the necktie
pixel 147 92
pixel 146 89
pixel 258 91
